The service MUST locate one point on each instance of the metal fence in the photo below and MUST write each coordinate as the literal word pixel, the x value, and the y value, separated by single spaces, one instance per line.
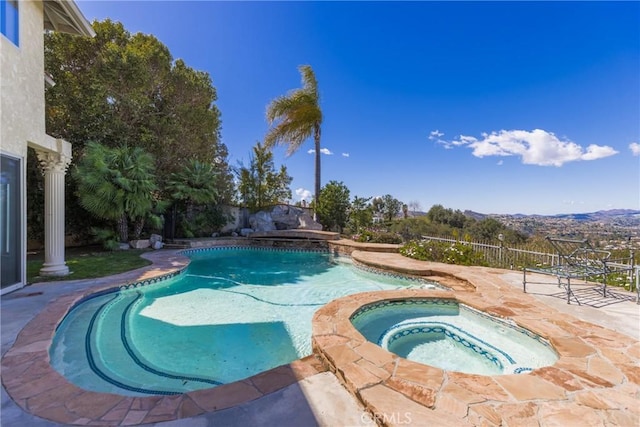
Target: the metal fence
pixel 623 271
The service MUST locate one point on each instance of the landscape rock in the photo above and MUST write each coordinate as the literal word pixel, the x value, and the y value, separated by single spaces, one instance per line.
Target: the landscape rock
pixel 283 217
pixel 140 244
pixel 305 222
pixel 244 232
pixel 261 221
pixel 155 238
pixel 123 246
pixel 157 245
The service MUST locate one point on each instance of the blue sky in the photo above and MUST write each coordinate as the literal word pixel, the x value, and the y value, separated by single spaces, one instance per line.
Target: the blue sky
pixel 501 107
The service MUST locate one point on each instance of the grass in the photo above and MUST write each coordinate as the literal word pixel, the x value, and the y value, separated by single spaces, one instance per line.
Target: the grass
pixel 89 263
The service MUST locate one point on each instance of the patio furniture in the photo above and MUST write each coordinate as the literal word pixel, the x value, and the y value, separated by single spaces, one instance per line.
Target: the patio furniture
pixel 577 259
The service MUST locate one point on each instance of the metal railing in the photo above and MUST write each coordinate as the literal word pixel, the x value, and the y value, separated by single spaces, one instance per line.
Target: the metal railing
pixel 624 271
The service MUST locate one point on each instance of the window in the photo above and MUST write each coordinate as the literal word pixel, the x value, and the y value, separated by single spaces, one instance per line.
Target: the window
pixel 9 19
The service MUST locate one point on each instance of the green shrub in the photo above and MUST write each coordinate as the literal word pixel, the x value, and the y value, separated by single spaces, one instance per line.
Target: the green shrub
pixel 460 253
pixel 107 238
pixel 384 237
pixel 371 236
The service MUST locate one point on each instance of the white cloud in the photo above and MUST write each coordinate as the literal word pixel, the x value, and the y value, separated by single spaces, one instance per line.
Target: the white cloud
pixel 595 152
pixel 435 134
pixel 500 162
pixel 345 154
pixel 635 148
pixel 536 147
pixel 303 194
pixel 322 150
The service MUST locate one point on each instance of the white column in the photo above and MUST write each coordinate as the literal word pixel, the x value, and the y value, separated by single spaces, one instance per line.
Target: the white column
pixel 54 166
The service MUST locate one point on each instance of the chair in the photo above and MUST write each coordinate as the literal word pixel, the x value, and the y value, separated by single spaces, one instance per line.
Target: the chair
pixel 577 259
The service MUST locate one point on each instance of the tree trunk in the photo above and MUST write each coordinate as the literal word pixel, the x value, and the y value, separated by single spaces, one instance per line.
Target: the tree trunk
pixel 123 229
pixel 137 230
pixel 316 137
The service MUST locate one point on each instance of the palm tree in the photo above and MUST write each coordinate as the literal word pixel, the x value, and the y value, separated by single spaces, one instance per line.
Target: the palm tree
pixel 295 117
pixel 117 184
pixel 194 185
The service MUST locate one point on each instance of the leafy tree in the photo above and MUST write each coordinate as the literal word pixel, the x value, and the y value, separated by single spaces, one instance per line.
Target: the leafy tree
pixel 415 228
pixel 260 185
pixel 35 198
pixel 488 229
pixel 120 88
pixel 334 208
pixel 360 213
pixel 295 117
pixel 441 215
pixel 389 207
pixel 117 184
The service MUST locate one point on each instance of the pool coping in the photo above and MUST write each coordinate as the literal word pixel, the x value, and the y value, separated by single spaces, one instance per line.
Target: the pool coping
pixel 596 379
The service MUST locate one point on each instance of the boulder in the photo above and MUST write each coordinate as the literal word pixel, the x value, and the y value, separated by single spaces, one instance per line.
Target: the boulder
pixel 244 232
pixel 155 238
pixel 286 217
pixel 261 221
pixel 280 210
pixel 305 222
pixel 123 246
pixel 157 245
pixel 281 225
pixel 140 244
pixel 283 217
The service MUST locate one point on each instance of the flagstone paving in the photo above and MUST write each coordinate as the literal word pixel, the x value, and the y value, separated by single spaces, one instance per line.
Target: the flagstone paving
pixel 596 380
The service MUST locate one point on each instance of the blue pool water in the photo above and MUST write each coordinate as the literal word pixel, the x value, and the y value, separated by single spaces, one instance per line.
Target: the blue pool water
pixel 235 312
pixel 452 336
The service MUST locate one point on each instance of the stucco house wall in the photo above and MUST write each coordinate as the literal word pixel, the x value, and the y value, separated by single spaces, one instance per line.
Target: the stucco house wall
pixel 22 80
pixel 22 125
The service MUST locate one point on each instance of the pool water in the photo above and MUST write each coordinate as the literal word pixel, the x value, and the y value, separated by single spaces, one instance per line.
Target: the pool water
pixel 452 336
pixel 235 312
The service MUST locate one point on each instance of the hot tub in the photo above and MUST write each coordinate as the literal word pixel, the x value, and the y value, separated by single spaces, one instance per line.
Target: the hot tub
pixel 452 336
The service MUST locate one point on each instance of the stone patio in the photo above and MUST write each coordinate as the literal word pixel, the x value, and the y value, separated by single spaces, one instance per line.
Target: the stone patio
pixel 596 381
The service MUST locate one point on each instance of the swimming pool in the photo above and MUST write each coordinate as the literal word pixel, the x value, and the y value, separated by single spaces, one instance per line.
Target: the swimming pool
pixel 452 336
pixel 233 313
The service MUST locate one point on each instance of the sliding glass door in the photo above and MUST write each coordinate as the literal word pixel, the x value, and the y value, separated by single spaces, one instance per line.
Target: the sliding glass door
pixel 10 221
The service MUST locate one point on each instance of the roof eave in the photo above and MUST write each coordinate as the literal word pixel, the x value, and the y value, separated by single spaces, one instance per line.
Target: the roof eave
pixel 65 16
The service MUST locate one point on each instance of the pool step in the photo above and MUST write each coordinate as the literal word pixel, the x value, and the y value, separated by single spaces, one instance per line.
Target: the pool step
pixel 115 359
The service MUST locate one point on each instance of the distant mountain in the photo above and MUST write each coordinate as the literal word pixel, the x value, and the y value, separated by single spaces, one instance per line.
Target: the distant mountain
pixel 591 216
pixel 475 215
pixel 601 215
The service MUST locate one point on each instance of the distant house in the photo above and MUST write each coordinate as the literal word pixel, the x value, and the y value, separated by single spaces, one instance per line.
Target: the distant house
pixel 22 125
